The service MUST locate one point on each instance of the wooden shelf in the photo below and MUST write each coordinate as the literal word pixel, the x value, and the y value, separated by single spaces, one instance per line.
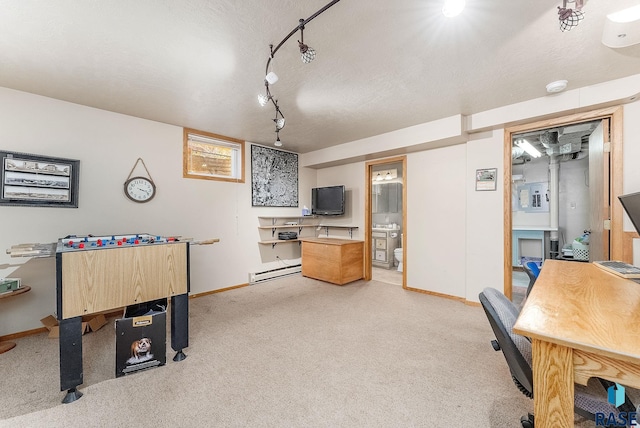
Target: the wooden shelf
pixel 7 346
pixel 274 242
pixel 277 223
pixel 327 227
pixel 287 226
pixel 20 290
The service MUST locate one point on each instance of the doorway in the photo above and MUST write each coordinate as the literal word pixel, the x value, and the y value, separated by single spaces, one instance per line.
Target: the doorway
pixel 604 185
pixel 386 221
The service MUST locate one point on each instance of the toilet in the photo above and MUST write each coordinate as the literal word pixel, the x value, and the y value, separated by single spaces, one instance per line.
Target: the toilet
pixel 397 253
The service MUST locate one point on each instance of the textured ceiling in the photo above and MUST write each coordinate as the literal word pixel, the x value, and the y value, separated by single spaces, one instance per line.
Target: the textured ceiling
pixel 380 65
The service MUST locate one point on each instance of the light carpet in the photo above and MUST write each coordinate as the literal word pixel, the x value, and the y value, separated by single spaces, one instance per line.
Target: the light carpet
pixel 293 352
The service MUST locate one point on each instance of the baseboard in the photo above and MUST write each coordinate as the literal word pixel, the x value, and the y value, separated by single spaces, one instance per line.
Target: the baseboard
pixel 219 290
pixel 433 293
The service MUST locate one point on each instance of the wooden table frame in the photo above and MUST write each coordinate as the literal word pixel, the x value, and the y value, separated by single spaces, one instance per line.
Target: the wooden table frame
pixel 584 322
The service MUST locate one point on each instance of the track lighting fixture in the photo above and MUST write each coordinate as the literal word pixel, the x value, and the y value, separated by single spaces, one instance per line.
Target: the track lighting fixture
pixel 568 17
pixel 263 99
pixel 279 121
pixel 307 54
pixel 271 77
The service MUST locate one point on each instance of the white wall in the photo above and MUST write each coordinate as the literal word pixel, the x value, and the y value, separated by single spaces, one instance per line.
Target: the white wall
pixel 455 241
pixel 457 249
pixel 574 199
pixel 484 243
pixel 107 145
pixel 353 178
pixel 435 234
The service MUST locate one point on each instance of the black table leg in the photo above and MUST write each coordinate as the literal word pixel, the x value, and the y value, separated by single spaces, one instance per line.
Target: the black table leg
pixel 71 357
pixel 179 325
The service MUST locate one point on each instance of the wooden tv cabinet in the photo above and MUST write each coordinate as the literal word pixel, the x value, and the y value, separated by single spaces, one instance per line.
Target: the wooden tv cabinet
pixel 337 261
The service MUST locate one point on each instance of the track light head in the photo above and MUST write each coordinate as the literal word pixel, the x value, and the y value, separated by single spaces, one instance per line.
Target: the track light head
pixel 271 78
pixel 570 18
pixel 279 123
pixel 307 54
pixel 263 99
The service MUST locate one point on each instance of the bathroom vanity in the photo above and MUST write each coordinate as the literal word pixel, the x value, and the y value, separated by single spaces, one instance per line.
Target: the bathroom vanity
pixel 384 240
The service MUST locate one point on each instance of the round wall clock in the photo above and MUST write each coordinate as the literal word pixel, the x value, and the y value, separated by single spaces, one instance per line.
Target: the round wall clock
pixel 140 189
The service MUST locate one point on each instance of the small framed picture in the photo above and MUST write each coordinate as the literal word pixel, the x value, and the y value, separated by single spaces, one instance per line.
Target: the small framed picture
pixel 34 180
pixel 486 179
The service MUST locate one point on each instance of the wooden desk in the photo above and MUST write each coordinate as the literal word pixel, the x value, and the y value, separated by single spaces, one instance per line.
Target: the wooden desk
pixel 7 346
pixel 583 322
pixel 338 261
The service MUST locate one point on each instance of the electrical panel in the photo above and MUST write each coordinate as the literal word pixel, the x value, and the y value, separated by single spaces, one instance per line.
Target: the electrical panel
pixel 533 197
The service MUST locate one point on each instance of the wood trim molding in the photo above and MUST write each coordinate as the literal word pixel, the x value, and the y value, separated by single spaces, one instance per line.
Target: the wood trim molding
pixel 436 294
pixel 627 246
pixel 367 217
pixel 185 155
pixel 615 115
pixel 219 290
pixel 506 214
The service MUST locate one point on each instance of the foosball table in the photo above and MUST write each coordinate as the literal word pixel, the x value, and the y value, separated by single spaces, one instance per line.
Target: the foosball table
pixel 96 274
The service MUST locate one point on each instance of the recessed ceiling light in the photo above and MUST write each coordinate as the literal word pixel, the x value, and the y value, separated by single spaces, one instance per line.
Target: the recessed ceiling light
pixel 557 86
pixel 452 8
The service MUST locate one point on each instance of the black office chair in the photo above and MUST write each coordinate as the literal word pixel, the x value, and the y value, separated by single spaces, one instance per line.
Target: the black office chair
pixel 502 315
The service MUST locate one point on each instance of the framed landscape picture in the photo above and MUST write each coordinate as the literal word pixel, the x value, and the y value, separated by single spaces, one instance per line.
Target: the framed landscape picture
pixel 34 180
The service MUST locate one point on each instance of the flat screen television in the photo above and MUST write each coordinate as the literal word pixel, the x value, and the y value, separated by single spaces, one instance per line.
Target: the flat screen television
pixel 327 200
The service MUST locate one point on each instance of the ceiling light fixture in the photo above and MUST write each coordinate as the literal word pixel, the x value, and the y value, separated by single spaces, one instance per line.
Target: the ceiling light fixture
pixel 388 176
pixel 557 86
pixel 279 121
pixel 527 147
pixel 263 99
pixel 621 28
pixel 452 8
pixel 568 17
pixel 307 55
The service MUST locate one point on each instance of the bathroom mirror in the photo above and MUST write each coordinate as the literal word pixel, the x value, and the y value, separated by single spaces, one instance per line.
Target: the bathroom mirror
pixel 387 198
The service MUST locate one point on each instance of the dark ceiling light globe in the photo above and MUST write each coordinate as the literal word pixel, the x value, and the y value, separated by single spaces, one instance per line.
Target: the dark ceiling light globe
pixel 307 54
pixel 569 18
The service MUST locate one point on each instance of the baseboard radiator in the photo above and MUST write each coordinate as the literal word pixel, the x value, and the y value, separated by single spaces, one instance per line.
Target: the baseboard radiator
pixel 255 277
